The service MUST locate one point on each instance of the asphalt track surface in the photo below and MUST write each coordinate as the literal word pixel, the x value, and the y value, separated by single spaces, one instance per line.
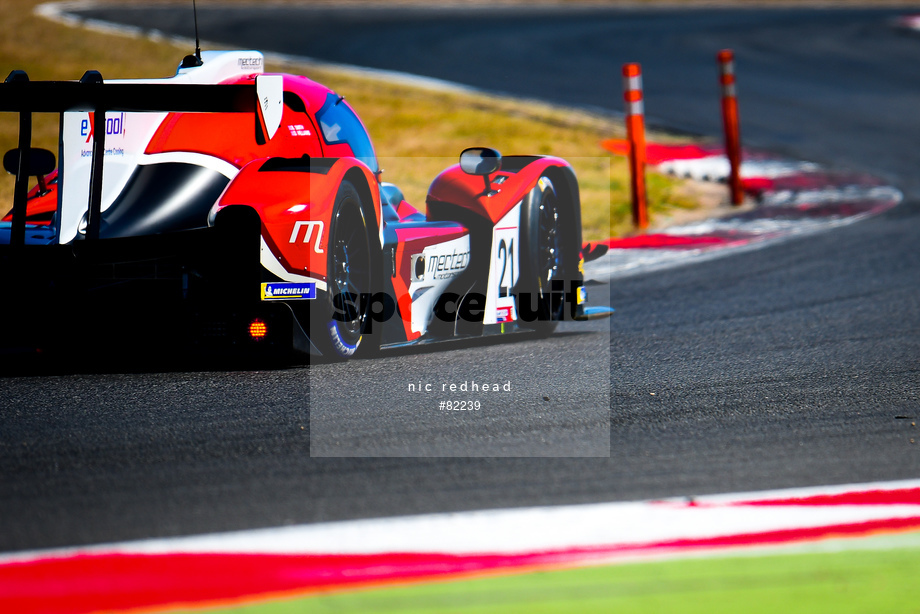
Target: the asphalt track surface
pixel 792 365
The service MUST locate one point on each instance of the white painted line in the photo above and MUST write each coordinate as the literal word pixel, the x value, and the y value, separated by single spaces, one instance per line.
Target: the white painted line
pixel 603 526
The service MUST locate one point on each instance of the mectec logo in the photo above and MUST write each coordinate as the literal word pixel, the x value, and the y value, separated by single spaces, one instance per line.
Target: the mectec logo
pixel 445 266
pixel 113 125
pixel 249 62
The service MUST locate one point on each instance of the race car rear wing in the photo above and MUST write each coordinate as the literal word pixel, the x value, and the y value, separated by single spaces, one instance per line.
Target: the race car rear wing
pixel 91 94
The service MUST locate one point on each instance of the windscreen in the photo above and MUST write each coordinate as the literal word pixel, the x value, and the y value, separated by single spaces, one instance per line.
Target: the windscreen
pixel 339 124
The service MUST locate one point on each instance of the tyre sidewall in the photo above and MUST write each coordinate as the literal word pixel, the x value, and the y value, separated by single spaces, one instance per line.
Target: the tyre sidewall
pixel 329 333
pixel 531 262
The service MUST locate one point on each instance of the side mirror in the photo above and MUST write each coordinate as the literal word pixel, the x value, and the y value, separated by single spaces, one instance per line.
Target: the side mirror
pixel 40 162
pixel 480 161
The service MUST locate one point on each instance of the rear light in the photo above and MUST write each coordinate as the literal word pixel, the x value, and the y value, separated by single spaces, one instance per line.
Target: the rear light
pixel 258 329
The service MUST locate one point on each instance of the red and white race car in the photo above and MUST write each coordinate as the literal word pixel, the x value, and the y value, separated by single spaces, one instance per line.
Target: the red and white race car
pixel 229 208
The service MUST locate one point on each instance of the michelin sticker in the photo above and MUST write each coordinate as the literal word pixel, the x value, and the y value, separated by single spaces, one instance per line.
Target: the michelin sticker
pixel 288 291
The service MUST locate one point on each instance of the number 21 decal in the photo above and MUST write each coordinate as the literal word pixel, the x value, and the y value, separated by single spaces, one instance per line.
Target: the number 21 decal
pixel 506 255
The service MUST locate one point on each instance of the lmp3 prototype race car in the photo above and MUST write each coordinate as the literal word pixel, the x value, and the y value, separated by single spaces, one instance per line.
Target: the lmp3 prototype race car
pixel 229 209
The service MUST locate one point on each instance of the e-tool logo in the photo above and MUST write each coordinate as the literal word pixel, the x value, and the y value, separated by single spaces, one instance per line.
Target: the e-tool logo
pixel 113 125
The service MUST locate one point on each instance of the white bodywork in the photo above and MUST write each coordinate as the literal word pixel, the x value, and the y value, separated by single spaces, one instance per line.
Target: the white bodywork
pixel 128 134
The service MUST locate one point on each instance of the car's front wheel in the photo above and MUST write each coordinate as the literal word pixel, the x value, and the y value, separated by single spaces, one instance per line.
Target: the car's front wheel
pixel 542 256
pixel 340 326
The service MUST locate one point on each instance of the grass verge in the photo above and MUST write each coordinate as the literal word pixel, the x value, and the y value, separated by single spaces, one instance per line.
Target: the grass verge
pixel 835 583
pixel 414 131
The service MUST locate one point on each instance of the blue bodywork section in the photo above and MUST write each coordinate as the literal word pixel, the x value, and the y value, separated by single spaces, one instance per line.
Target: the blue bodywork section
pixel 35 234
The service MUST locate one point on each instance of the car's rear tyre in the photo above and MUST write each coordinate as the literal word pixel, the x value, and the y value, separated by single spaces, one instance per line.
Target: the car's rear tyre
pixel 542 256
pixel 340 323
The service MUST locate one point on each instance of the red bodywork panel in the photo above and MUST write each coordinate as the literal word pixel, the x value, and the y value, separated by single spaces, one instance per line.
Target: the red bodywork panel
pixel 40 208
pixel 414 240
pixel 284 198
pixel 234 137
pixel 468 191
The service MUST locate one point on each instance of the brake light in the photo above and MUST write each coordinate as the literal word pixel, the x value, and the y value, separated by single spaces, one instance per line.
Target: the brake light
pixel 258 329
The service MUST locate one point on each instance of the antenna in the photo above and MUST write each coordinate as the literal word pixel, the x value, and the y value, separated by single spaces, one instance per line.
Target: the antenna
pixel 197 41
pixel 191 61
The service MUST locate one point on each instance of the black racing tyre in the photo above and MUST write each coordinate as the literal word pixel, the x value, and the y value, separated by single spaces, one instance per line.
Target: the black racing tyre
pixel 340 325
pixel 542 235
